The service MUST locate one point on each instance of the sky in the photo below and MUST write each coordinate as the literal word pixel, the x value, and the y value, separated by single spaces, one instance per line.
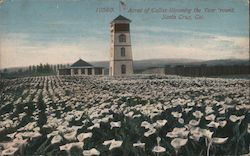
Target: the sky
pixel 62 31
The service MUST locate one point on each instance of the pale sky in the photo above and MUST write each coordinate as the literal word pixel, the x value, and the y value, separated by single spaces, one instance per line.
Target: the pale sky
pixel 62 31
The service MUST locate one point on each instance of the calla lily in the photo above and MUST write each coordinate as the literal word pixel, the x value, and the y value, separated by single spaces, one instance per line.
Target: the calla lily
pixel 196 134
pixel 115 124
pixel 184 134
pixel 107 142
pixel 213 124
pixel 176 114
pixel 172 135
pixel 30 126
pixel 181 120
pixel 223 111
pixel 71 136
pixel 12 135
pixel 150 132
pixel 178 132
pixel 137 116
pixel 194 122
pixel 177 143
pixel 139 144
pixel 115 144
pixel 36 129
pixel 210 117
pixel 222 123
pixel 69 117
pixel 19 142
pixel 209 110
pixel 160 123
pixel 207 133
pixel 56 139
pixel 97 125
pixel 96 121
pixel 105 120
pixel 54 133
pixel 129 114
pixel 78 115
pixel 188 109
pixel 91 152
pixel 219 140
pixel 9 151
pixel 81 137
pixel 146 125
pixel 30 134
pixel 18 135
pixel 76 127
pixel 176 129
pixel 158 148
pixel 197 114
pixel 235 118
pixel 66 147
pixel 62 129
pixel 190 104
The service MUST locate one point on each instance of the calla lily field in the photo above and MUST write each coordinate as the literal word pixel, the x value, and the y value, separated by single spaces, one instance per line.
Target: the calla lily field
pixel 139 115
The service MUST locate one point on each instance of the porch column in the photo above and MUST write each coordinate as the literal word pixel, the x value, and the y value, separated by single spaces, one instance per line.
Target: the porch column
pixel 71 72
pixel 86 71
pixel 79 71
pixel 102 71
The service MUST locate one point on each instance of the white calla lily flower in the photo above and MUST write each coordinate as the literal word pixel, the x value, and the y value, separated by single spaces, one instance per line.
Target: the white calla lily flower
pixel 150 132
pixel 115 124
pixel 91 152
pixel 82 136
pixel 56 139
pixel 11 151
pixel 158 148
pixel 197 114
pixel 219 140
pixel 177 143
pixel 139 144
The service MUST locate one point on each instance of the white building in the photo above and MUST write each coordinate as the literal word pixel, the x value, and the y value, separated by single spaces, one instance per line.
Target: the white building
pixel 121 60
pixel 81 67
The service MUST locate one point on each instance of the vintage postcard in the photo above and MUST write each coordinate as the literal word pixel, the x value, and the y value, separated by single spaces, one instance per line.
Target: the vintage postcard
pixel 124 77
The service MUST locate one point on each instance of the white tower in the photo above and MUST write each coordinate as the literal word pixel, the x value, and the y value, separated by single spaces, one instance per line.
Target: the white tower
pixel 121 60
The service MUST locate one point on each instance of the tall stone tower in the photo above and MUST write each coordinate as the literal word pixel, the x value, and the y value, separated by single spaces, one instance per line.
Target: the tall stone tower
pixel 121 60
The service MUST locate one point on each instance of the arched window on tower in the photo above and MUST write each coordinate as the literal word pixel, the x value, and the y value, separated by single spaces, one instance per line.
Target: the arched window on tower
pixel 123 52
pixel 123 69
pixel 122 38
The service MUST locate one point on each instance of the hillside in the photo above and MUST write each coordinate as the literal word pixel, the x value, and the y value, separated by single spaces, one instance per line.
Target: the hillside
pixel 143 64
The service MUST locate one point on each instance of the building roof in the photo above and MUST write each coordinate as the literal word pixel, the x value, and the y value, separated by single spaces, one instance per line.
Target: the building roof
pixel 121 18
pixel 81 63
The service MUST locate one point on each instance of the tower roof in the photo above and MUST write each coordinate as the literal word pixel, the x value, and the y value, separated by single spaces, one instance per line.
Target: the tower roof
pixel 80 63
pixel 121 18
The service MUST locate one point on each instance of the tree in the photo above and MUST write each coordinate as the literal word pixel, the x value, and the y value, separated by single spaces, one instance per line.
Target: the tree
pixel 5 70
pixel 34 68
pixel 40 68
pixel 30 69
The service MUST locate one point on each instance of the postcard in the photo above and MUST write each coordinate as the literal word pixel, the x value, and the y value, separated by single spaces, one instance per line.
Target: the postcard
pixel 124 77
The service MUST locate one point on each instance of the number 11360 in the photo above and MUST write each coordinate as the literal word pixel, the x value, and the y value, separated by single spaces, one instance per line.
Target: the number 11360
pixel 104 10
